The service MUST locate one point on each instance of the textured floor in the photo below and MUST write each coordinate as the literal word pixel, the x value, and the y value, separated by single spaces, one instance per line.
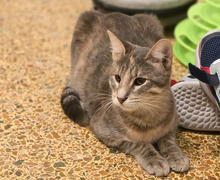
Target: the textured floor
pixel 36 140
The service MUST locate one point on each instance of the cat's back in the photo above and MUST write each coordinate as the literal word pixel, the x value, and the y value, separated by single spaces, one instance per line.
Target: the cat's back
pixel 141 29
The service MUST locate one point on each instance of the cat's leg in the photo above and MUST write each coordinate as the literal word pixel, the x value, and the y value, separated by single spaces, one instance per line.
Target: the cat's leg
pixel 147 156
pixel 169 149
pixel 70 102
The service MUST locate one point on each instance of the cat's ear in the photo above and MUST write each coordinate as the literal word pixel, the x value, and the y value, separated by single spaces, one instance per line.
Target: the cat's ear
pixel 162 52
pixel 118 49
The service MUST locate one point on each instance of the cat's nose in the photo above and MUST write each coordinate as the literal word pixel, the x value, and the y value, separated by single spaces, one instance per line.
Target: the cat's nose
pixel 121 100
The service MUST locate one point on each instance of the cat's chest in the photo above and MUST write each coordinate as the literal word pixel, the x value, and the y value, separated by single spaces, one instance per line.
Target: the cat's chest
pixel 150 134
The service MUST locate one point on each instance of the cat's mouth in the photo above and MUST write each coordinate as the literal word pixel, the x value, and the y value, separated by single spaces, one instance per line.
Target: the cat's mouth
pixel 125 104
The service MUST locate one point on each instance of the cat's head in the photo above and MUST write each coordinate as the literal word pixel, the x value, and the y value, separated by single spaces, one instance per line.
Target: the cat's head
pixel 140 76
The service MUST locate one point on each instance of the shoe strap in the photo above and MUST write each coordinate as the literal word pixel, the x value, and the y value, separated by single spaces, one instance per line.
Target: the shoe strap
pixel 211 79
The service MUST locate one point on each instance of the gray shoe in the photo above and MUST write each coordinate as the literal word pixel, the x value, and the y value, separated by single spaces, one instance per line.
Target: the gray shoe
pixel 195 110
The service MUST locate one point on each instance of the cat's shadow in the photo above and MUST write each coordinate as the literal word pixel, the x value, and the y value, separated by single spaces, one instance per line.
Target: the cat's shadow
pixel 181 129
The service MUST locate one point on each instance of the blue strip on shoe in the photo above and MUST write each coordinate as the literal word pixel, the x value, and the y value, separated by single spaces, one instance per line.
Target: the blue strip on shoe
pixel 211 79
pixel 210 49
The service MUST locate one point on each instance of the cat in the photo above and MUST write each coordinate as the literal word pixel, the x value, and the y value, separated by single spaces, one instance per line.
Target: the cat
pixel 120 87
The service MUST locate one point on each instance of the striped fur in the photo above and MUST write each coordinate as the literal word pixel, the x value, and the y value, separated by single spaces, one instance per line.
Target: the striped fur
pixel 109 53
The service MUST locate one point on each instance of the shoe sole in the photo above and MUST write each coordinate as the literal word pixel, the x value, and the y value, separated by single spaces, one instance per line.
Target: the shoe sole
pixel 195 110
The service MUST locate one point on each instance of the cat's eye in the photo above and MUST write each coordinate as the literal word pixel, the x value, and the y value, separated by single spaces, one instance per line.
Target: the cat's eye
pixel 117 78
pixel 139 81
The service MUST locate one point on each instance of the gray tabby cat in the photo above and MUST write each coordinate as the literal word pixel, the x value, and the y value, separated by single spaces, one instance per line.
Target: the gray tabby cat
pixel 120 87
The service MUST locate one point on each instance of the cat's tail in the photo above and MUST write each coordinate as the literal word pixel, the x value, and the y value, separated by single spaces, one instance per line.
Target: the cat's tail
pixel 70 102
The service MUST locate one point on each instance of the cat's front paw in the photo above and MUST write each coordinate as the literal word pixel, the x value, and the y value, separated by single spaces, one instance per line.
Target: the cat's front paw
pixel 178 162
pixel 156 166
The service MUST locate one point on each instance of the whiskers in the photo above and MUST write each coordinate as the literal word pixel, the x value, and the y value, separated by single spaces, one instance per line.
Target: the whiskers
pixel 103 101
pixel 153 106
pixel 98 96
